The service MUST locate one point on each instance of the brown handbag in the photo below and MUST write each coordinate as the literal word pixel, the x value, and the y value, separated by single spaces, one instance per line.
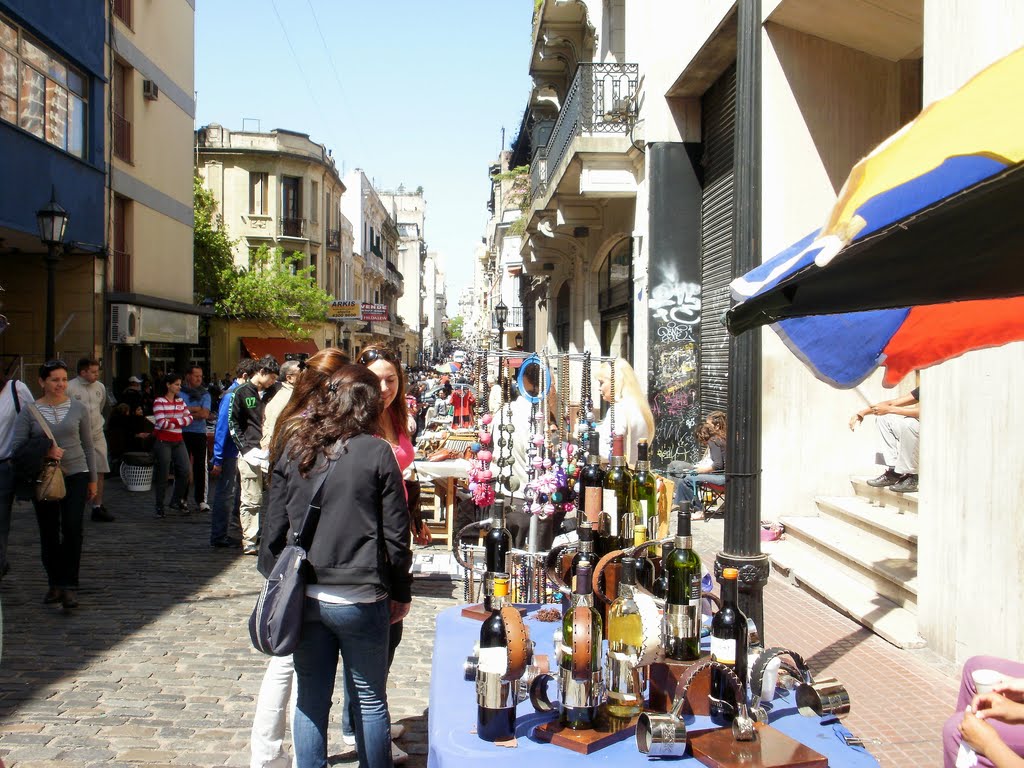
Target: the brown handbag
pixel 50 483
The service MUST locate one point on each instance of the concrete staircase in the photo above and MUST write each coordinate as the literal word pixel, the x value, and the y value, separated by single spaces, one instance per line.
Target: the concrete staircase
pixel 859 554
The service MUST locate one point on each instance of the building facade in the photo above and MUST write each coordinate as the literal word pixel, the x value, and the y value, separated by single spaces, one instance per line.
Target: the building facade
pixel 280 190
pixel 410 213
pixel 97 110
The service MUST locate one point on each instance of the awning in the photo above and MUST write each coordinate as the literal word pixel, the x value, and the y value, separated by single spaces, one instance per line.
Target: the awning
pixel 278 347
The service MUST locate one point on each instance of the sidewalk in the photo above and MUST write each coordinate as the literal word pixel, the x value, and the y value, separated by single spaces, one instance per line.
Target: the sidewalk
pixel 155 667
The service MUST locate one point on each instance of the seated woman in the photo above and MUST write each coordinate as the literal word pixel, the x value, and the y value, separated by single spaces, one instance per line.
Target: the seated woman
pixel 710 469
pixel 992 724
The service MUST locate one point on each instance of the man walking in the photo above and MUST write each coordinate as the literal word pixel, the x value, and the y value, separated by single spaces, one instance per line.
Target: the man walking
pixel 246 425
pixel 14 396
pixel 224 467
pixel 89 390
pixel 197 400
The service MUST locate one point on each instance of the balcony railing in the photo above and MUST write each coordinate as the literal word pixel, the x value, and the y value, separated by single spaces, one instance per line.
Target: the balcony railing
pixel 601 100
pixel 122 138
pixel 290 227
pixel 122 272
pixel 514 321
pixel 334 239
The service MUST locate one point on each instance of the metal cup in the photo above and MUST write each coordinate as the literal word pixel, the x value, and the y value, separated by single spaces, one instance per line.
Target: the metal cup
pixel 824 697
pixel 661 735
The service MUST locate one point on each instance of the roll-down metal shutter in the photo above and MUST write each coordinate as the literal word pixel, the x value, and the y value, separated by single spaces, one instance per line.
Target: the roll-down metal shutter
pixel 718 108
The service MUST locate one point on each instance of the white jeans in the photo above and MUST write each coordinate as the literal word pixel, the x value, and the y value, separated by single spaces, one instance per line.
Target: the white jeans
pixel 275 702
pixel 900 440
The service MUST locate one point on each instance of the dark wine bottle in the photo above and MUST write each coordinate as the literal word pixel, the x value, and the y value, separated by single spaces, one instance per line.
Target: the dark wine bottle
pixel 585 551
pixel 660 588
pixel 645 489
pixel 644 566
pixel 616 507
pixel 681 627
pixel 495 698
pixel 728 646
pixel 592 489
pixel 497 543
pixel 581 698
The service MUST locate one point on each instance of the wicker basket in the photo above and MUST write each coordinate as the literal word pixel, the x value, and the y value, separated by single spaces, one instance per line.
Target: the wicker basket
pixel 136 477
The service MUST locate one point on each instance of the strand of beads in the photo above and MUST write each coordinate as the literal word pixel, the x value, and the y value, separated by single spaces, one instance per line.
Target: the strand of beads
pixel 481 477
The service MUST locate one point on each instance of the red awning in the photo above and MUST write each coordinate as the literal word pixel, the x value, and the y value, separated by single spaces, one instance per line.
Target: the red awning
pixel 277 347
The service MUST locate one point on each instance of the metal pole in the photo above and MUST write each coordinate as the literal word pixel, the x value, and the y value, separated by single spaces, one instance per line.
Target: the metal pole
pixel 501 362
pixel 742 544
pixel 51 259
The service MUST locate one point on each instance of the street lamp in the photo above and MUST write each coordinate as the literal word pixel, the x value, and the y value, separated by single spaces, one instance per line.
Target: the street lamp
pixel 519 341
pixel 52 220
pixel 501 315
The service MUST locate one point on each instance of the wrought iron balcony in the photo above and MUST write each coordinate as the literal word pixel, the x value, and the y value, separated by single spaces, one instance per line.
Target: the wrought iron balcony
pixel 291 227
pixel 514 321
pixel 334 239
pixel 600 101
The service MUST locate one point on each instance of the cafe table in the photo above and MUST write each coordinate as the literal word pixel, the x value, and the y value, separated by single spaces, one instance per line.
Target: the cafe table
pixel 453 742
pixel 444 475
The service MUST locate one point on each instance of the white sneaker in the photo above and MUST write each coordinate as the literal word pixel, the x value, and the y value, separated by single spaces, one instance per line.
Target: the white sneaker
pixel 398 755
pixel 349 740
pixel 397 731
pixel 204 507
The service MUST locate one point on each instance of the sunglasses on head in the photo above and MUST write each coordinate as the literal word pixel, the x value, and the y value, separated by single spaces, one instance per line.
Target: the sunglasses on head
pixel 371 355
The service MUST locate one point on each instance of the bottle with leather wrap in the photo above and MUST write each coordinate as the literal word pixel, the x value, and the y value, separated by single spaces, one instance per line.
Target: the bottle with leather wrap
pixel 495 697
pixel 644 566
pixel 728 646
pixel 625 642
pixel 681 623
pixel 591 498
pixel 616 500
pixel 585 551
pixel 497 543
pixel 644 492
pixel 580 665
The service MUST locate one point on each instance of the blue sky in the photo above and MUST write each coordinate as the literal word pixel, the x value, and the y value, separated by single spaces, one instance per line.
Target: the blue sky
pixel 414 92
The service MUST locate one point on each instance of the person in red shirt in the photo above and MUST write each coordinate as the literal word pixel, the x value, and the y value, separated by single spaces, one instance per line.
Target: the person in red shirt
pixel 170 414
pixel 462 407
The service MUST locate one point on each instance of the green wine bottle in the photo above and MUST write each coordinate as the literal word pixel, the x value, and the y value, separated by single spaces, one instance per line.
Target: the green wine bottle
pixel 618 482
pixel 681 624
pixel 645 489
pixel 580 698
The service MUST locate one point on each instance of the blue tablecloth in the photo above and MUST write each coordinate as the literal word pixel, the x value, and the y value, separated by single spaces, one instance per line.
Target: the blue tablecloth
pixel 452 716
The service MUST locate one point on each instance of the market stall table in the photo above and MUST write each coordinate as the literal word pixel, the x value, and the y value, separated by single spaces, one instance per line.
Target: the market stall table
pixel 444 474
pixel 452 716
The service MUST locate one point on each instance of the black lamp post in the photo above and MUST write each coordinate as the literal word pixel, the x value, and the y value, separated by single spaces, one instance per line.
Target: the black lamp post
pixel 519 342
pixel 52 220
pixel 501 315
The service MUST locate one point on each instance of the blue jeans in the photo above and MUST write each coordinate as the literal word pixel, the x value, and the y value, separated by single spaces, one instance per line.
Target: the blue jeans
pixel 359 633
pixel 686 487
pixel 349 715
pixel 225 499
pixel 167 454
pixel 6 507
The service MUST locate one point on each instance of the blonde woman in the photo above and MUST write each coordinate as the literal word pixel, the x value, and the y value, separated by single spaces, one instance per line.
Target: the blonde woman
pixel 633 417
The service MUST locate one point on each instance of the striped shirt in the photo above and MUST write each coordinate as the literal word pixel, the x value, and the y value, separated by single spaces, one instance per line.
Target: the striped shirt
pixel 169 417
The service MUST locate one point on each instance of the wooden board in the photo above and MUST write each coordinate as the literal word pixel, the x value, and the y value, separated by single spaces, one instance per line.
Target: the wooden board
pixel 477 612
pixel 586 742
pixel 666 676
pixel 716 748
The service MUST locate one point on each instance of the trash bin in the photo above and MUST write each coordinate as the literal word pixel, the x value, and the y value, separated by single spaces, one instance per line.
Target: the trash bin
pixel 137 471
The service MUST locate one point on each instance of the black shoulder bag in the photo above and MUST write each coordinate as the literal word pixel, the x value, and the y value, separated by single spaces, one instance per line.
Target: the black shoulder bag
pixel 275 625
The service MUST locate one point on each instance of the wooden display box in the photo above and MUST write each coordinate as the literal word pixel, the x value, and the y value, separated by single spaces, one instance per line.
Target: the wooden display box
pixel 585 742
pixel 477 612
pixel 668 676
pixel 716 748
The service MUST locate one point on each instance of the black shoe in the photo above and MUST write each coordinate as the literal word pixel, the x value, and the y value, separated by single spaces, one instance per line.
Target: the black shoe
pixel 69 599
pixel 101 515
pixel 179 506
pixel 907 484
pixel 888 477
pixel 53 595
pixel 224 543
pixel 160 514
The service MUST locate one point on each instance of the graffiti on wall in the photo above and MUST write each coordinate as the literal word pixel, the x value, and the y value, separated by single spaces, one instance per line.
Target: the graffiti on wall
pixel 674 311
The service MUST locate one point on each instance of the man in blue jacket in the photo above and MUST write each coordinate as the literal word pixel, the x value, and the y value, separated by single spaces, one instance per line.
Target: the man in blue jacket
pixel 224 467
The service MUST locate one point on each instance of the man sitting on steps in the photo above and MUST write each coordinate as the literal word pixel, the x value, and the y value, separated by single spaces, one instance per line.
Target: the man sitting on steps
pixel 898 422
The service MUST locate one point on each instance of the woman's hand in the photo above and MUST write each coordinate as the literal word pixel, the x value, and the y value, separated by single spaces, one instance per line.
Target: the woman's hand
pixel 1012 688
pixel 90 491
pixel 400 610
pixel 55 452
pixel 979 734
pixel 422 535
pixel 993 706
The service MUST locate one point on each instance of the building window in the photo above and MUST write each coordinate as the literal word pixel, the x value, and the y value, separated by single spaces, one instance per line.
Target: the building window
pixel 258 183
pixel 122 253
pixel 314 202
pixel 123 11
pixel 119 94
pixel 312 266
pixel 40 92
pixel 292 223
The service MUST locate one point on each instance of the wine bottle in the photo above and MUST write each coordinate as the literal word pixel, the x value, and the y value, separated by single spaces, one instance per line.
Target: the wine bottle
pixel 497 543
pixel 495 698
pixel 592 488
pixel 660 588
pixel 681 627
pixel 728 646
pixel 580 698
pixel 645 488
pixel 584 552
pixel 644 566
pixel 618 482
pixel 625 642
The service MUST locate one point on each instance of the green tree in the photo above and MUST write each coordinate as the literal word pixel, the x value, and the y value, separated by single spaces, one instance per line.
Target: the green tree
pixel 277 289
pixel 455 328
pixel 212 261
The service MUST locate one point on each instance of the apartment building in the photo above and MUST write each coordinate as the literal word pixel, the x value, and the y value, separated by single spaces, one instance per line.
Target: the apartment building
pixel 409 210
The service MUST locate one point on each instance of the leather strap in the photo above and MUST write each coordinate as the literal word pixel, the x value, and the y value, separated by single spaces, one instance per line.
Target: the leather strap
pixel 518 643
pixel 581 640
pixel 597 574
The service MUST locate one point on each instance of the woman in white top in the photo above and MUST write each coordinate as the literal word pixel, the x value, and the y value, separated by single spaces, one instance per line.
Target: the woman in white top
pixel 633 417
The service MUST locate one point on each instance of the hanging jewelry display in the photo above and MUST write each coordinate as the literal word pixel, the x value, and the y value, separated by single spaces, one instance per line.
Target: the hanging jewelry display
pixel 611 411
pixel 481 477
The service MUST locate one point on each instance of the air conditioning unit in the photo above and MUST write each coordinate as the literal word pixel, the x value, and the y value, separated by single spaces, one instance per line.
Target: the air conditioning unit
pixel 125 324
pixel 150 90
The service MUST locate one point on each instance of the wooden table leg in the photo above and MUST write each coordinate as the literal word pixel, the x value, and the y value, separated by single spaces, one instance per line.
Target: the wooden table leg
pixel 450 505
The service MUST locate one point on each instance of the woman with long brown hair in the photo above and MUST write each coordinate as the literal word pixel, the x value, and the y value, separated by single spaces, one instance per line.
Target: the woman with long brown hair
pixel 359 555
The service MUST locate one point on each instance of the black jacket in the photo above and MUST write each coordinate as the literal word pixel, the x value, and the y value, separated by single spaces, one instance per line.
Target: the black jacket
pixel 245 419
pixel 363 533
